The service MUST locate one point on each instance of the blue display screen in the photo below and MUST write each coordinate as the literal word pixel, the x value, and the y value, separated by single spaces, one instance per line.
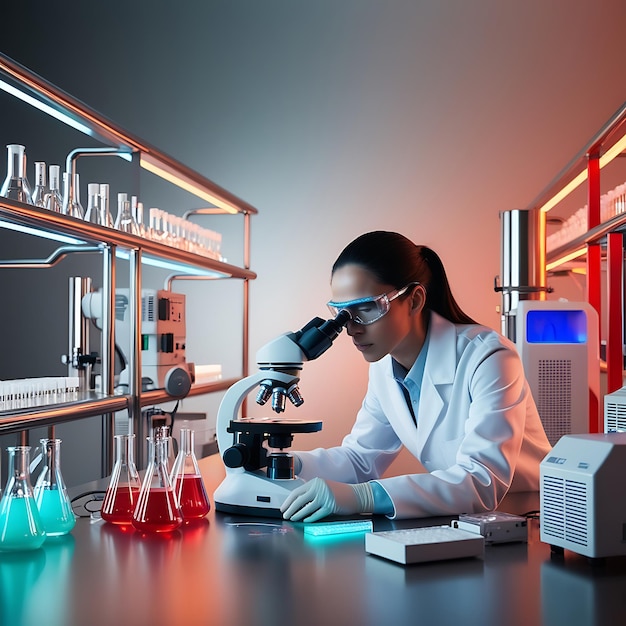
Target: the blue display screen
pixel 556 326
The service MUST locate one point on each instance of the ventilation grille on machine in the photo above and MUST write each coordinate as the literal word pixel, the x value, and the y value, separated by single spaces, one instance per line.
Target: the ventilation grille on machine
pixel 147 308
pixel 554 397
pixel 564 510
pixel 614 417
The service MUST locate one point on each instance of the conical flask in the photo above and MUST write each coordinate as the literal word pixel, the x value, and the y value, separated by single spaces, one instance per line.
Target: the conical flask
pixel 187 480
pixel 94 212
pixel 21 527
pixel 125 220
pixel 157 508
pixel 40 191
pixel 106 219
pixel 15 184
pixel 51 496
pixel 71 196
pixel 54 199
pixel 122 493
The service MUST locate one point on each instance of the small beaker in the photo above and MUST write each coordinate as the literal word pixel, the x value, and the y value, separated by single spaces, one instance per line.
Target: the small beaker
pixel 122 493
pixel 157 508
pixel 187 480
pixel 21 527
pixel 55 507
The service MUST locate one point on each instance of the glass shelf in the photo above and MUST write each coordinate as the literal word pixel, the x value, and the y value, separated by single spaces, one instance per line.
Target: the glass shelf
pixel 85 404
pixel 72 231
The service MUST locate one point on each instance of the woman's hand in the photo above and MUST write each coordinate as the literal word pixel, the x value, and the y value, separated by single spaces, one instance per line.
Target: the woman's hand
pixel 318 498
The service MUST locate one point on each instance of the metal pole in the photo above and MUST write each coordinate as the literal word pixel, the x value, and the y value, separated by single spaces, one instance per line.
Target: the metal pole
pixel 107 354
pixel 523 262
pixel 136 424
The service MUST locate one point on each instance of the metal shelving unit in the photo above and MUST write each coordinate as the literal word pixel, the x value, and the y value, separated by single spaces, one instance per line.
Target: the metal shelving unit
pixel 603 241
pixel 38 92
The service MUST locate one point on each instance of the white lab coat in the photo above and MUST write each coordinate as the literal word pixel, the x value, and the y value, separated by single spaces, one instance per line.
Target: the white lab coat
pixel 478 432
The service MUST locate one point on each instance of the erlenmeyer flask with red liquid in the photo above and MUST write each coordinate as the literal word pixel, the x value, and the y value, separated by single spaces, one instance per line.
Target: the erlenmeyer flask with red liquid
pixel 122 493
pixel 157 507
pixel 187 481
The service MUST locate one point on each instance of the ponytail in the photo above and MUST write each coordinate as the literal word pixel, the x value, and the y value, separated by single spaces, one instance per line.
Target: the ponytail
pixel 439 296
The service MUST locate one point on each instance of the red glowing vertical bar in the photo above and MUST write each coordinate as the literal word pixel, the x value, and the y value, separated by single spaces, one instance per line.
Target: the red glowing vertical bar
pixel 614 339
pixel 594 259
pixel 594 290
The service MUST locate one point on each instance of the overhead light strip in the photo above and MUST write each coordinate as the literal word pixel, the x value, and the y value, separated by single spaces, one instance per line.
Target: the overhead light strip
pixel 613 152
pixel 564 259
pixel 46 108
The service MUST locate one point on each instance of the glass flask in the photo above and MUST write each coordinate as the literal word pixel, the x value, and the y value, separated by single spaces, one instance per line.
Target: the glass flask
pixel 71 196
pixel 16 185
pixel 93 213
pixel 40 191
pixel 21 527
pixel 54 199
pixel 157 508
pixel 51 496
pixel 123 490
pixel 107 220
pixel 125 220
pixel 187 481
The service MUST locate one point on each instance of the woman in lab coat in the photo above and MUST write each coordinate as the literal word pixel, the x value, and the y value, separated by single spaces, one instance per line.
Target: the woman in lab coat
pixel 451 391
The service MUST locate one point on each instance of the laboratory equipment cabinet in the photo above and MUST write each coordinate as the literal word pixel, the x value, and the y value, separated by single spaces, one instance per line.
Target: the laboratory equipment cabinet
pixel 73 236
pixel 589 196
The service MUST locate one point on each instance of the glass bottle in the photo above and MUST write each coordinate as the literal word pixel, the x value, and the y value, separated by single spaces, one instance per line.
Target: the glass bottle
pixel 54 199
pixel 51 496
pixel 125 220
pixel 187 480
pixel 137 211
pixel 123 490
pixel 71 196
pixel 106 218
pixel 93 213
pixel 21 527
pixel 15 185
pixel 157 508
pixel 38 196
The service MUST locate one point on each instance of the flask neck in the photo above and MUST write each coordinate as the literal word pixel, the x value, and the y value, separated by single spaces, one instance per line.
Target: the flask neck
pixel 18 484
pixel 125 449
pixel 16 160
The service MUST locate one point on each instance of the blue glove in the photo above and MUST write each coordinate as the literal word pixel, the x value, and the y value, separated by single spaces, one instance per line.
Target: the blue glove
pixel 318 498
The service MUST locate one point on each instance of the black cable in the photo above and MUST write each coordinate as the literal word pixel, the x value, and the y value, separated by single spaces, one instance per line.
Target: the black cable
pixel 94 496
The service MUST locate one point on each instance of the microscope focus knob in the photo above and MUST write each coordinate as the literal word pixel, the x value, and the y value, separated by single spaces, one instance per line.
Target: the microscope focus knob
pixel 235 456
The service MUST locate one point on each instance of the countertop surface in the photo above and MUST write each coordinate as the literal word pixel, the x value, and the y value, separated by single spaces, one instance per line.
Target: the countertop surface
pixel 243 571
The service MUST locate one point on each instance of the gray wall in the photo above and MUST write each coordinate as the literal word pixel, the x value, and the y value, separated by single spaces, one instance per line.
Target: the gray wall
pixel 334 117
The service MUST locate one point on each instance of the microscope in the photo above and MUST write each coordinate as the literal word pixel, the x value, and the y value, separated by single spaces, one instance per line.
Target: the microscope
pixel 259 477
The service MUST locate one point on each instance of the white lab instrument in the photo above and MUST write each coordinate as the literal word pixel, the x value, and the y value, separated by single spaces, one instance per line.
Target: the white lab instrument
pixel 559 347
pixel 430 543
pixel 257 479
pixel 615 411
pixel 163 338
pixel 494 526
pixel 583 495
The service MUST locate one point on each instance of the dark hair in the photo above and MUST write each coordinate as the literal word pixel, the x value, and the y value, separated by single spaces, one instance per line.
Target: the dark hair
pixel 395 260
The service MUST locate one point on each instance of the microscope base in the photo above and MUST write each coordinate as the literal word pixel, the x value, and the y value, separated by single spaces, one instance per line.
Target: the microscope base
pixel 253 493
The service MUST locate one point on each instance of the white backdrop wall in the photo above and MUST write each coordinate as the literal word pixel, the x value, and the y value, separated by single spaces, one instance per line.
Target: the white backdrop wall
pixel 336 117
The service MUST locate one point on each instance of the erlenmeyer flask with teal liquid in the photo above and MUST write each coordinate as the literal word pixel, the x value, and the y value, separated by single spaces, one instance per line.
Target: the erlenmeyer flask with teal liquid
pixel 21 527
pixel 51 496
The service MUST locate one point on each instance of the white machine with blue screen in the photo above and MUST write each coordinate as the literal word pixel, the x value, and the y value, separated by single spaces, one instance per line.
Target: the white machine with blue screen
pixel 559 345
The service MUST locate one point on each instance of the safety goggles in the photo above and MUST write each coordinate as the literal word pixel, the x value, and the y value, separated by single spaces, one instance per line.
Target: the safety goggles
pixel 368 310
